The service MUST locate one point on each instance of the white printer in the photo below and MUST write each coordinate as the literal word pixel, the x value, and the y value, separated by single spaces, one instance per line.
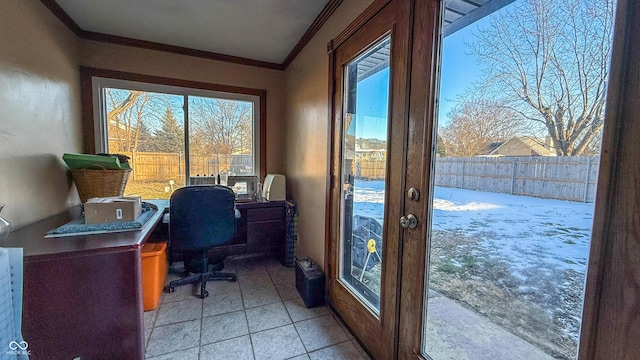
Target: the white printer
pixel 274 188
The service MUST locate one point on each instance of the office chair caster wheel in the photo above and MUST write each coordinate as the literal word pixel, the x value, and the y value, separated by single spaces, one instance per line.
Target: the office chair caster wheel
pixel 169 289
pixel 204 294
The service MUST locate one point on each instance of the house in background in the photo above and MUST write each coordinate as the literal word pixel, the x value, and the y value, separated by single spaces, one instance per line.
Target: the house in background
pixel 522 146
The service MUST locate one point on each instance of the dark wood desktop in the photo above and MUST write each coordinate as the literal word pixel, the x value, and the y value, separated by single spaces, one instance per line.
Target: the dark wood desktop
pixel 82 295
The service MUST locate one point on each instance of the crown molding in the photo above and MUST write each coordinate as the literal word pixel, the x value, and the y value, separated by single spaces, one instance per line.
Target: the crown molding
pixel 319 21
pixel 62 15
pixel 315 26
pixel 121 40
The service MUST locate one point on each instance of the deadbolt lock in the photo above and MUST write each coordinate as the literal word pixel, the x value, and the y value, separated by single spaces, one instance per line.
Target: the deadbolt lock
pixel 413 194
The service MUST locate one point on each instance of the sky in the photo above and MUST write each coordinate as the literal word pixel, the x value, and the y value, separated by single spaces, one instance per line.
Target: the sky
pixel 372 105
pixel 459 70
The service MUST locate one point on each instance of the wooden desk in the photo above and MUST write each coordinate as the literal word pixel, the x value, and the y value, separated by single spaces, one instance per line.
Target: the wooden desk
pixel 82 295
pixel 260 229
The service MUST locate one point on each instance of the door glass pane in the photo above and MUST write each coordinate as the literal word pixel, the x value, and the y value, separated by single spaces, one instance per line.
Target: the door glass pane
pixel 220 138
pixel 364 156
pixel 521 110
pixel 149 128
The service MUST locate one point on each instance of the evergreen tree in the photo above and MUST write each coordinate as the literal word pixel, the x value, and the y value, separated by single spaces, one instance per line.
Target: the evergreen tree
pixel 146 139
pixel 171 137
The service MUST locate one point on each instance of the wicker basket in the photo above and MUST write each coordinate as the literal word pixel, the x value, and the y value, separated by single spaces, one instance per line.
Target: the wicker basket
pixel 99 183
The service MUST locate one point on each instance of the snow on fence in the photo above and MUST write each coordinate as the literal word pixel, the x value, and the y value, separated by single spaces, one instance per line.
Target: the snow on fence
pixel 562 177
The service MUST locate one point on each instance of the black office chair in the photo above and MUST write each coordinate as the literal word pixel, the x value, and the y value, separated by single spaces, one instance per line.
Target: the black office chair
pixel 201 217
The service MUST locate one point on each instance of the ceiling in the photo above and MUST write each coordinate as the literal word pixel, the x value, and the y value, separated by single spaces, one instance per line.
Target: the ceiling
pixel 265 33
pixel 264 30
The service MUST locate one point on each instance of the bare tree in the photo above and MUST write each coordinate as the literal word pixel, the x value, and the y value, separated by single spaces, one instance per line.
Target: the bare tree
pixel 224 126
pixel 476 124
pixel 125 117
pixel 134 116
pixel 549 61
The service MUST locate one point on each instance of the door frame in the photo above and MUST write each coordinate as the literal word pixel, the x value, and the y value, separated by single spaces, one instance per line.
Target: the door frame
pixel 378 335
pixel 610 321
pixel 425 77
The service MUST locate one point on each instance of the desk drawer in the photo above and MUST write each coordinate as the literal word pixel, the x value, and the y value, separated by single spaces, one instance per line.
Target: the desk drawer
pixel 265 214
pixel 264 236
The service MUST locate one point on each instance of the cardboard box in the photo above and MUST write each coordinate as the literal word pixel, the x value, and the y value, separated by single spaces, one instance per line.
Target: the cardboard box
pixel 112 209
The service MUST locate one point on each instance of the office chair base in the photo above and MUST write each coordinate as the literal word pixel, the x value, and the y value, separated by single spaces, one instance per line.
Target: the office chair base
pixel 192 265
pixel 210 276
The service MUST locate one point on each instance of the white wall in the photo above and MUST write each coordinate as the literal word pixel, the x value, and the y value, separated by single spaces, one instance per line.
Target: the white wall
pixel 39 111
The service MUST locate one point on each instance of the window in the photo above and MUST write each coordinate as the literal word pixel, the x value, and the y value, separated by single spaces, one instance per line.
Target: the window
pixel 177 135
pixel 515 180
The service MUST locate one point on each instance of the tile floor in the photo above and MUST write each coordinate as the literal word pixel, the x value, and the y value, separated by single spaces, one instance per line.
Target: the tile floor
pixel 261 316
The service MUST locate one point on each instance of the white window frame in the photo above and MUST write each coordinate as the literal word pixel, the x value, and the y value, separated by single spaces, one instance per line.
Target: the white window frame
pixel 98 84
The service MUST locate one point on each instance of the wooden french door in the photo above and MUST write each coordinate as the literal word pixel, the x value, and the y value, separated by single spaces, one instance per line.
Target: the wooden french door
pixel 377 252
pixel 369 155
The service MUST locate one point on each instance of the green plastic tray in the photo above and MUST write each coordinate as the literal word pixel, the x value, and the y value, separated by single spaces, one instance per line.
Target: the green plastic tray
pixel 87 161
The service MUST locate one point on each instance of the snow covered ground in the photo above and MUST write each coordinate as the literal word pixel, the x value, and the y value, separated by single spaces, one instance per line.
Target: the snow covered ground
pixel 527 232
pixel 519 261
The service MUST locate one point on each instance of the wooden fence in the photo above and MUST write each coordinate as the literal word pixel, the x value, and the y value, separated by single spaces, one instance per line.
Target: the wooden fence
pixel 170 166
pixel 562 177
pixel 369 168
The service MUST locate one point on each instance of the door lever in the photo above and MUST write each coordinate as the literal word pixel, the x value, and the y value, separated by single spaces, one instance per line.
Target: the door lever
pixel 410 221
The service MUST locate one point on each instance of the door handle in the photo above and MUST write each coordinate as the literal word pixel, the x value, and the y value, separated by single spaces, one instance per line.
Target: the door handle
pixel 410 221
